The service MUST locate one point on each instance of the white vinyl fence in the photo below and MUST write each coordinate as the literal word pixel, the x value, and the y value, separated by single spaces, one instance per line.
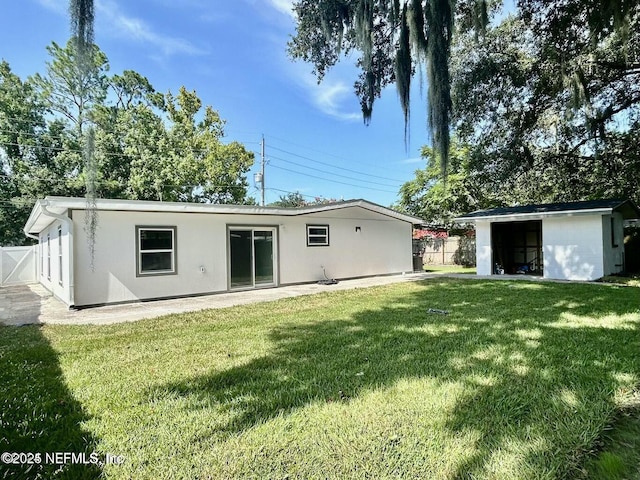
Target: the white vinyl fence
pixel 18 265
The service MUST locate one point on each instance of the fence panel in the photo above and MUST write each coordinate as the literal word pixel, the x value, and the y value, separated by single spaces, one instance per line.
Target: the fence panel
pixel 449 251
pixel 18 265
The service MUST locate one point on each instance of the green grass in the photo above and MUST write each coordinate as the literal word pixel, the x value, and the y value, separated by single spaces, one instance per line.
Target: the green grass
pixel 449 269
pixel 619 458
pixel 519 381
pixel 628 280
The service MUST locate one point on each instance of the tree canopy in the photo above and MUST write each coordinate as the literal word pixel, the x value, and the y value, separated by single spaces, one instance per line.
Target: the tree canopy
pixel 146 145
pixel 549 99
pixel 393 38
pixel 546 101
pixel 396 38
pixel 437 201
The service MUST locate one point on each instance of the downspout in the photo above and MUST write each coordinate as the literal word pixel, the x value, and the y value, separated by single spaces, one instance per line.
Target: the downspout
pixel 69 223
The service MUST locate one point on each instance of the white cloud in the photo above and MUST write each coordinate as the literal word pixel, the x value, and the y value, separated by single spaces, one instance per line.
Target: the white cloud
pixel 330 96
pixel 135 29
pixel 130 28
pixel 408 161
pixel 283 6
pixel 333 96
pixel 58 6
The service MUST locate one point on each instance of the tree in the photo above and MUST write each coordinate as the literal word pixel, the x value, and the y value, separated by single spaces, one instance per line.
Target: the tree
pixel 437 201
pixel 202 168
pixel 296 200
pixel 31 162
pixel 145 145
pixel 394 38
pixel 290 200
pixel 550 104
pixel 70 90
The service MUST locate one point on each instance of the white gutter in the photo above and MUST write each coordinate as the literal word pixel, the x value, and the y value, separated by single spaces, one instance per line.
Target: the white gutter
pixel 74 203
pixel 509 216
pixel 69 223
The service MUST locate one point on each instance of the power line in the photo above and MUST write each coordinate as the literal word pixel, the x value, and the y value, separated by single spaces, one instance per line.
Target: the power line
pixel 329 154
pixel 330 173
pixel 335 166
pixel 358 181
pixel 104 154
pixel 330 180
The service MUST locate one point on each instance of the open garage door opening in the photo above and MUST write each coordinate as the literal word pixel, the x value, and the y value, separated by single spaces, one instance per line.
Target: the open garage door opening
pixel 517 247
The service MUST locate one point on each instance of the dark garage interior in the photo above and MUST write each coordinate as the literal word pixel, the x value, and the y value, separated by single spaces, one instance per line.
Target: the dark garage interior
pixel 517 247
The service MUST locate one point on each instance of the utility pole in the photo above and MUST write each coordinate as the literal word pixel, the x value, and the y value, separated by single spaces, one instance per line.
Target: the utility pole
pixel 262 183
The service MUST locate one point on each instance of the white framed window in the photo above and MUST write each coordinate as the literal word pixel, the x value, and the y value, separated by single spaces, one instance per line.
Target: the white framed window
pixel 41 248
pixel 48 256
pixel 317 235
pixel 156 251
pixel 60 255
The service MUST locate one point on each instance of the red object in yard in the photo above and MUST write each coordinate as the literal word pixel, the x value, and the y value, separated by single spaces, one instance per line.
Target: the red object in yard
pixel 422 233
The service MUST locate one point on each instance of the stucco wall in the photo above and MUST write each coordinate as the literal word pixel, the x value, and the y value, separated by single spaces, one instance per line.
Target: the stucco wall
pixel 49 273
pixel 573 247
pixel 483 248
pixel 382 245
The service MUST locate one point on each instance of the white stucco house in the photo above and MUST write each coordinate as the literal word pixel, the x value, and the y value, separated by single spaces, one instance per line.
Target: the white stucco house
pixel 567 241
pixel 150 250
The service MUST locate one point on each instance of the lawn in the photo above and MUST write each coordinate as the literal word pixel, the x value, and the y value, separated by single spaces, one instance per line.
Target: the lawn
pixel 441 269
pixel 518 381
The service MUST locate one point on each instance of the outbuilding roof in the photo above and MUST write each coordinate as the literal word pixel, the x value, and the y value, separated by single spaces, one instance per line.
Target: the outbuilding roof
pixel 626 207
pixel 39 217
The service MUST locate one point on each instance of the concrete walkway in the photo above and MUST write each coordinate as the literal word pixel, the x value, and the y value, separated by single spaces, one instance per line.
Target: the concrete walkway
pixel 33 304
pixel 29 304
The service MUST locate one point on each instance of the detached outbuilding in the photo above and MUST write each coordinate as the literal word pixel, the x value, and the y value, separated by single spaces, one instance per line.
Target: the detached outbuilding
pixel 150 250
pixel 567 241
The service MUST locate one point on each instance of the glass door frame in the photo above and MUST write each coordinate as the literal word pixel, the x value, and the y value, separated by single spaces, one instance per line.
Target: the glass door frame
pixel 274 229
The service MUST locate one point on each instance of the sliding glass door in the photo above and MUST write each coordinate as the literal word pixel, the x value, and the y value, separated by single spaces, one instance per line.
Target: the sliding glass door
pixel 251 256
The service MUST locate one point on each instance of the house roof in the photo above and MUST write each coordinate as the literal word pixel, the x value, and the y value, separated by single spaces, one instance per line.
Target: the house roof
pixel 40 215
pixel 524 212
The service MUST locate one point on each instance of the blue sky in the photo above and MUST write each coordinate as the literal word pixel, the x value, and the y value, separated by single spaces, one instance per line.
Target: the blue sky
pixel 233 54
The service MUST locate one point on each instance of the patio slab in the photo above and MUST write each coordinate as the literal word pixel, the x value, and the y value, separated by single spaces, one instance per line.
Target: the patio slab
pixel 33 304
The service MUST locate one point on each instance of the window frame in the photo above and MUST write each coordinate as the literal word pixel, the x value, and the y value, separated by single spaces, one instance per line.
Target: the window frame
pixel 310 235
pixel 41 245
pixel 48 256
pixel 60 255
pixel 173 250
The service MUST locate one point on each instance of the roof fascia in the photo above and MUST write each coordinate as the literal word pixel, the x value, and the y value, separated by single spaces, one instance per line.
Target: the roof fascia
pixel 534 215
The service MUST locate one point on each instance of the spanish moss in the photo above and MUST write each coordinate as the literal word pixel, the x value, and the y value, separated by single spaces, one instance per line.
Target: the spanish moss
pixel 404 71
pixel 439 20
pixel 82 19
pixel 91 178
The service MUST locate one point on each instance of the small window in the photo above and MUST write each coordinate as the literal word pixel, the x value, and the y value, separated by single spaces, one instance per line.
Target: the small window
pixel 156 250
pixel 317 235
pixel 60 255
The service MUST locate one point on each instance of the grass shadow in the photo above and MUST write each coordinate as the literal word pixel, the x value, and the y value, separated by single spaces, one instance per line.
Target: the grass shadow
pixel 539 370
pixel 38 414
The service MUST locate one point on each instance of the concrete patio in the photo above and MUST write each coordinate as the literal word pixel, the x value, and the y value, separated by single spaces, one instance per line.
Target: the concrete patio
pixel 33 304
